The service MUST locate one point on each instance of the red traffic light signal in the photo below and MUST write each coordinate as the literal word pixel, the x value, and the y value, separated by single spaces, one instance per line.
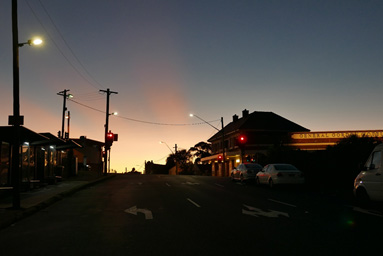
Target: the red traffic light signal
pixel 109 139
pixel 219 158
pixel 242 139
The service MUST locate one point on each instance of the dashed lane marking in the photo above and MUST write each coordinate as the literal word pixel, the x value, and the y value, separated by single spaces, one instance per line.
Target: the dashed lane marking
pixel 195 204
pixel 279 202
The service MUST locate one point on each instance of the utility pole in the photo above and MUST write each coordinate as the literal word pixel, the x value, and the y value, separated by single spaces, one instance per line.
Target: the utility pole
pixel 64 94
pixel 16 120
pixel 108 93
pixel 176 156
pixel 223 150
pixel 68 117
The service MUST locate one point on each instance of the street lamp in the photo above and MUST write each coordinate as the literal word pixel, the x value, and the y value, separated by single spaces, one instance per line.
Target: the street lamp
pixel 163 142
pixel 32 42
pixel 223 139
pixel 16 120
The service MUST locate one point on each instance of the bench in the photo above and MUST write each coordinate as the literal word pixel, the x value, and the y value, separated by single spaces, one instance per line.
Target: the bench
pixel 5 191
pixel 34 184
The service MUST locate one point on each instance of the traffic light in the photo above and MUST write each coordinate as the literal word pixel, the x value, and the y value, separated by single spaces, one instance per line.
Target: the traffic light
pixel 219 158
pixel 242 139
pixel 109 139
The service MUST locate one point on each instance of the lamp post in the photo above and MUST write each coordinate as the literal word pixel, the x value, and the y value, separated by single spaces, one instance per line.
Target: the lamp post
pixel 175 154
pixel 68 117
pixel 65 96
pixel 16 120
pixel 163 142
pixel 108 93
pixel 223 140
pixel 110 149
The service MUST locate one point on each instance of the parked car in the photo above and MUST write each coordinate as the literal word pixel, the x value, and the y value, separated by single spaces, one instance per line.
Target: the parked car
pixel 368 185
pixel 274 174
pixel 245 171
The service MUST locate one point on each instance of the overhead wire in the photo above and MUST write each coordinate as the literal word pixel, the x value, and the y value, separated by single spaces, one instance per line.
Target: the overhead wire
pixel 141 121
pixel 59 49
pixel 67 45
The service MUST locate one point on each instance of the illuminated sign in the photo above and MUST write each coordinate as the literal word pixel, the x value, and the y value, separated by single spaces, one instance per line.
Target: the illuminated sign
pixel 337 135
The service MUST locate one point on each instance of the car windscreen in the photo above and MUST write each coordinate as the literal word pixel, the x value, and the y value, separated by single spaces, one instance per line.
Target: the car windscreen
pixel 253 166
pixel 285 167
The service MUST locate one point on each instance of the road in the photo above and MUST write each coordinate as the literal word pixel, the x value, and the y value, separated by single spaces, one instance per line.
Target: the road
pixel 192 215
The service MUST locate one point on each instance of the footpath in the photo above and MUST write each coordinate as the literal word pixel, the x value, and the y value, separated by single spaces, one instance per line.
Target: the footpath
pixel 40 198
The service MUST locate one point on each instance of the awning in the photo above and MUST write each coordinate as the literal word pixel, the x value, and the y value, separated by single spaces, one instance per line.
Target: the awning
pixel 8 133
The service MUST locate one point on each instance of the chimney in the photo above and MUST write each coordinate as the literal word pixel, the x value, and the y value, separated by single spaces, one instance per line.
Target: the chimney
pixel 235 118
pixel 245 113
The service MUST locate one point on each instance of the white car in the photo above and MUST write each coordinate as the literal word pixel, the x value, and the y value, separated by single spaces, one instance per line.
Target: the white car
pixel 245 171
pixel 368 185
pixel 274 174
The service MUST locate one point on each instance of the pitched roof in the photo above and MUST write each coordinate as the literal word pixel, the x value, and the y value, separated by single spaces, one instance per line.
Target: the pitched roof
pixel 260 121
pixel 8 133
pixel 83 140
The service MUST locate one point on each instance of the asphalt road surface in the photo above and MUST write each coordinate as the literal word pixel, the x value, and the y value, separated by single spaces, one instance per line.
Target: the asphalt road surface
pixel 192 215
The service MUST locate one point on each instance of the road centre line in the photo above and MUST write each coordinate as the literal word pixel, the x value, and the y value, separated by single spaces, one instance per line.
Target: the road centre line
pixel 279 202
pixel 219 185
pixel 191 201
pixel 167 184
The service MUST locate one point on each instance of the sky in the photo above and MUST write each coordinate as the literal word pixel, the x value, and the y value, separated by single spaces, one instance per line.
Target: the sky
pixel 317 63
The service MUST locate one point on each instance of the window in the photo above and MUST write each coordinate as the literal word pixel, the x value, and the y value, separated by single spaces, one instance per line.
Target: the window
pixel 377 159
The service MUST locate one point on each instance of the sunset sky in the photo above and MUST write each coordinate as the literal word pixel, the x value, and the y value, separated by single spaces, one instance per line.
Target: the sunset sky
pixel 318 63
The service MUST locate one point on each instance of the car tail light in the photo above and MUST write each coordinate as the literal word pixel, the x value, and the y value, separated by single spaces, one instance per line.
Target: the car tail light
pixel 279 174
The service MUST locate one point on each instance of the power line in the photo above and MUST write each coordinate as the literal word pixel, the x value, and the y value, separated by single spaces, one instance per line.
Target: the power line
pixel 67 45
pixel 58 48
pixel 141 121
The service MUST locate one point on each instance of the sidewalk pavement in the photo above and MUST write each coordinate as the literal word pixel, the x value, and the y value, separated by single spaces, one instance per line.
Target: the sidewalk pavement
pixel 37 199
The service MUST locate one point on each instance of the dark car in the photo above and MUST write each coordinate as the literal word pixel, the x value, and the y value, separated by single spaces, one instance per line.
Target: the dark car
pixel 245 171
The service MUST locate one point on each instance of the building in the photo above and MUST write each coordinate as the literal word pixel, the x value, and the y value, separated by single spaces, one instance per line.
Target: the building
pixel 263 130
pixel 89 155
pixel 44 157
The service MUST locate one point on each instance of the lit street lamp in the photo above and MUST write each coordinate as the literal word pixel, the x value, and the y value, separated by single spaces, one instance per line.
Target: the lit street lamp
pixel 16 120
pixel 31 42
pixel 163 142
pixel 223 139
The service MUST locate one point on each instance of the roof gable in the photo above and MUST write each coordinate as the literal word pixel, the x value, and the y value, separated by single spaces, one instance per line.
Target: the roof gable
pixel 260 121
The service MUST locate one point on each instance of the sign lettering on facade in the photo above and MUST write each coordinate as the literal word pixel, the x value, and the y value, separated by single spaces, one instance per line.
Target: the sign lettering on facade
pixel 337 135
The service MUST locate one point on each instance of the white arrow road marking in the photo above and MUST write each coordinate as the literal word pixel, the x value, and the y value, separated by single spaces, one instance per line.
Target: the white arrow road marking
pixel 134 210
pixel 167 184
pixel 259 212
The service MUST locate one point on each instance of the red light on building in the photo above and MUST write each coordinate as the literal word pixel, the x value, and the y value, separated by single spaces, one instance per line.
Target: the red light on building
pixel 242 139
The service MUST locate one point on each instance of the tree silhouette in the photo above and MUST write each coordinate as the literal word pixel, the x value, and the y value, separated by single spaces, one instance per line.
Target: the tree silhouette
pixel 200 150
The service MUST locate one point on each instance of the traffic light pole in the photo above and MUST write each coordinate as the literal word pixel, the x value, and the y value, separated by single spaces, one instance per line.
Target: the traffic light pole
pixel 223 150
pixel 107 147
